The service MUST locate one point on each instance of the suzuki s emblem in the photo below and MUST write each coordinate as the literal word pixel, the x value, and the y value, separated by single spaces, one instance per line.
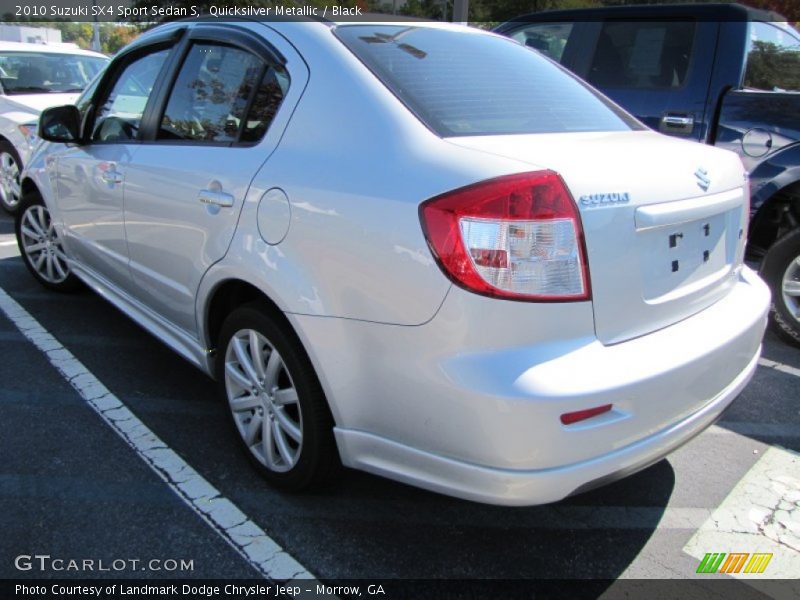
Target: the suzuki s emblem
pixel 702 179
pixel 599 200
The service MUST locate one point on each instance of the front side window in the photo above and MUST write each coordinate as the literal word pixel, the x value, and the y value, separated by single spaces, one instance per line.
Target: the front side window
pixel 212 93
pixel 47 72
pixel 84 101
pixel 642 55
pixel 548 38
pixel 773 59
pixel 119 115
pixel 461 83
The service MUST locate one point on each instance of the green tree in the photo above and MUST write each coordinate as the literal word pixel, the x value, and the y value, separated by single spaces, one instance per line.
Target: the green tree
pixel 427 9
pixel 76 32
pixel 787 8
pixel 114 36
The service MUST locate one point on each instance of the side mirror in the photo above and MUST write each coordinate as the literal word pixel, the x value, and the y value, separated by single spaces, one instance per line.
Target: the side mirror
pixel 60 124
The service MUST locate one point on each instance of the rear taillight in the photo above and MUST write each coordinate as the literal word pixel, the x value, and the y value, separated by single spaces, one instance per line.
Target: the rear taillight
pixel 516 237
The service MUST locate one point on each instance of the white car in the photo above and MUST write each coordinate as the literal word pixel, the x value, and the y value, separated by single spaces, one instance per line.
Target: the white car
pixel 422 250
pixel 34 77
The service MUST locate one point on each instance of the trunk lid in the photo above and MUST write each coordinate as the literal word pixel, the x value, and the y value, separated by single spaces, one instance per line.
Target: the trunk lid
pixel 664 220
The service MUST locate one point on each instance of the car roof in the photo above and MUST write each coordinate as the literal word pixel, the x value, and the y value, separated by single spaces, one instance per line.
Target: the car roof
pixel 47 48
pixel 704 12
pixel 311 25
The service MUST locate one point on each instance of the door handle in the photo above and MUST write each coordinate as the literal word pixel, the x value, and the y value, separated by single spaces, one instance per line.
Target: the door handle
pixel 672 123
pixel 111 175
pixel 215 198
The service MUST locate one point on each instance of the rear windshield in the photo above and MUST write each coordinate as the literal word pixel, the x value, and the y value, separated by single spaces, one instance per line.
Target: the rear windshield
pixel 459 83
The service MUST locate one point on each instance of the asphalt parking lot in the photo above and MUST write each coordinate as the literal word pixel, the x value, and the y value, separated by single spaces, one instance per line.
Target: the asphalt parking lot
pixel 72 488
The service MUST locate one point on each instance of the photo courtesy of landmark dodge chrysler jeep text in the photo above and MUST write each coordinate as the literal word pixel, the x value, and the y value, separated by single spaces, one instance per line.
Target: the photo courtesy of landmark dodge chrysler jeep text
pixel 420 250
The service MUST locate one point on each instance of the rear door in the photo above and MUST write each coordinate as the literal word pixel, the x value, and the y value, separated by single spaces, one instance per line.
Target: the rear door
pixel 227 100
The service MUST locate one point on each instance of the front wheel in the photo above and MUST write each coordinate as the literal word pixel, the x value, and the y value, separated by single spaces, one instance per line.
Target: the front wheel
pixel 781 271
pixel 10 167
pixel 275 400
pixel 41 247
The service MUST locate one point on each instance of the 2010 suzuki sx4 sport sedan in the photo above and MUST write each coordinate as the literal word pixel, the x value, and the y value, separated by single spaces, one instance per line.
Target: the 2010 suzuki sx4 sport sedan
pixel 424 251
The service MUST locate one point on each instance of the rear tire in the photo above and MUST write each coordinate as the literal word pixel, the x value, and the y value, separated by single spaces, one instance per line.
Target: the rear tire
pixel 10 168
pixel 40 246
pixel 781 270
pixel 275 400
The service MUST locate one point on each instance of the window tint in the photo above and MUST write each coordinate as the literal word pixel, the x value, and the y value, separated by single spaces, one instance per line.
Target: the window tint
pixel 773 59
pixel 475 84
pixel 119 115
pixel 211 94
pixel 548 38
pixel 644 55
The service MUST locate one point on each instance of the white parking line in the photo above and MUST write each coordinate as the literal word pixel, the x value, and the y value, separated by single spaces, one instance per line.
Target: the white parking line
pixel 222 515
pixel 771 364
pixel 8 242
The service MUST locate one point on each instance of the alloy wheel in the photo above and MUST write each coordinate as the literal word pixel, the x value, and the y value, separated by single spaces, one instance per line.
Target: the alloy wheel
pixel 9 180
pixel 790 288
pixel 42 246
pixel 263 400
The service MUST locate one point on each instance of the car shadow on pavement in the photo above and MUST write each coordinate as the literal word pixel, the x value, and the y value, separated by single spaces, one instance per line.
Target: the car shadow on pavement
pixel 397 531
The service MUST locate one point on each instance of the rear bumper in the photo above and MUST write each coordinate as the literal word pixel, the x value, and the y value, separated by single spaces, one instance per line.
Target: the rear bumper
pixel 469 403
pixel 521 488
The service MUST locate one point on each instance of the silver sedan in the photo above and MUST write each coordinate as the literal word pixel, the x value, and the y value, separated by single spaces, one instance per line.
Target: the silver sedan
pixel 421 250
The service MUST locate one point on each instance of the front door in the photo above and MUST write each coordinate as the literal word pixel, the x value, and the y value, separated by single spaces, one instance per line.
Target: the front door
pixel 91 176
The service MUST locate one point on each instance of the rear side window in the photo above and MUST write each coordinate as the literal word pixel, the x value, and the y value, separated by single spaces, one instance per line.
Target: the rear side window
pixel 773 60
pixel 461 83
pixel 642 55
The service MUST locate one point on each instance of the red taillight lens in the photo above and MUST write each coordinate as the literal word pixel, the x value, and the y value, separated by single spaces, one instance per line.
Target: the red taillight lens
pixel 516 237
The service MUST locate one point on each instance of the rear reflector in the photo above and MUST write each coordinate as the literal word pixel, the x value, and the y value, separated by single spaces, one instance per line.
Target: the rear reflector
pixel 582 415
pixel 516 237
